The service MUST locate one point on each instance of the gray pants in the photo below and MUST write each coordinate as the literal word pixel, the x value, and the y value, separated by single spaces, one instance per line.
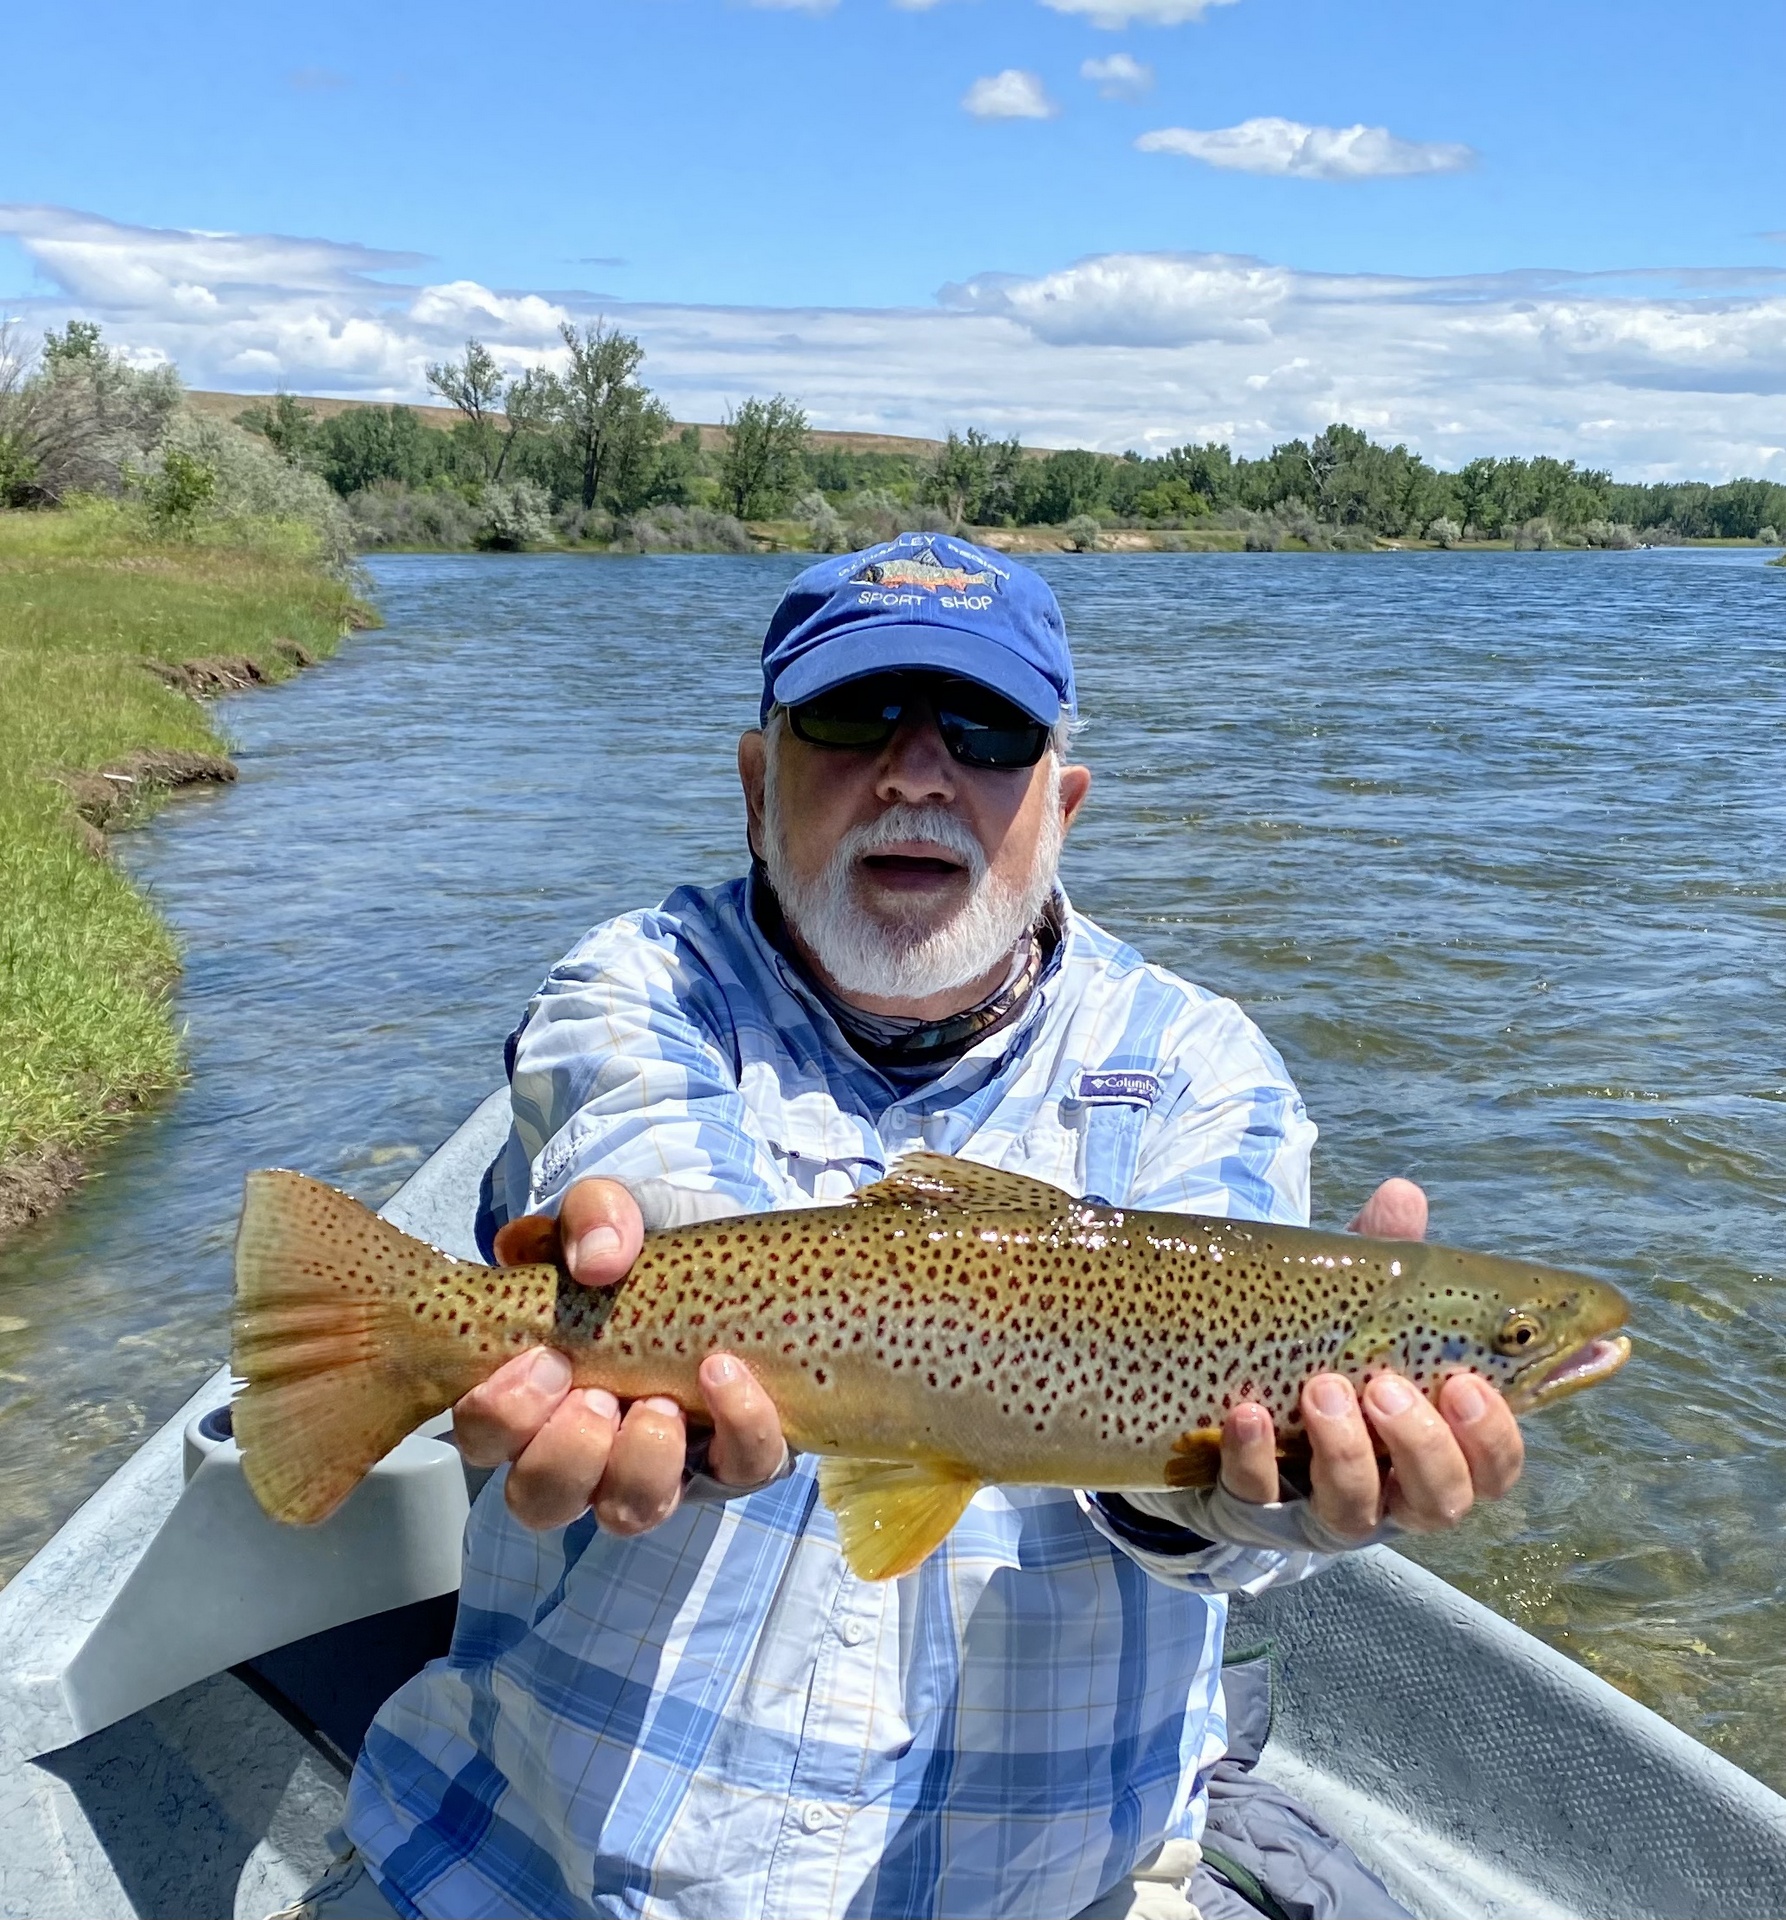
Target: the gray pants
pixel 1154 1891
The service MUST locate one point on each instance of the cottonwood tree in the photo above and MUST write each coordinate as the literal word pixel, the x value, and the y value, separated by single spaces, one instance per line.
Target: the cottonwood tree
pixel 475 386
pixel 762 466
pixel 613 426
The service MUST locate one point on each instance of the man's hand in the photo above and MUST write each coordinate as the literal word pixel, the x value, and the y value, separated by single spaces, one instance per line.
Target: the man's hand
pixel 1440 1459
pixel 576 1449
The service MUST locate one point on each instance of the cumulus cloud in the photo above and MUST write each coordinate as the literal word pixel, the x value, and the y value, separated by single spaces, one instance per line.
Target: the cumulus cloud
pixel 1652 375
pixel 1271 145
pixel 1011 95
pixel 1121 77
pixel 1117 14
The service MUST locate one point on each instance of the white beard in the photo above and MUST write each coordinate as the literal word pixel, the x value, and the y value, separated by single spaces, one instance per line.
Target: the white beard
pixel 905 958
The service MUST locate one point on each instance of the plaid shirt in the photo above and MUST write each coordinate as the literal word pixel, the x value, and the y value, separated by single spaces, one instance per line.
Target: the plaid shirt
pixel 717 1719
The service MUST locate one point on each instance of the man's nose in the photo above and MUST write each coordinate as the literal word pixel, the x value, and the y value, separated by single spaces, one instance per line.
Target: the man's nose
pixel 916 767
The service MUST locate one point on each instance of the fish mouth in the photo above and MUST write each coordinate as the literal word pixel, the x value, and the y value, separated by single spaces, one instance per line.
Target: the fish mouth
pixel 1586 1365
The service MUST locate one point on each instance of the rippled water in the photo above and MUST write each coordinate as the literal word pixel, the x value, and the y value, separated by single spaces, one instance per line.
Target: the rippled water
pixel 1493 846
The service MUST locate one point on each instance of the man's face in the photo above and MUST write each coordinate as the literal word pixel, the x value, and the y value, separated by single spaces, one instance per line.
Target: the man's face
pixel 915 879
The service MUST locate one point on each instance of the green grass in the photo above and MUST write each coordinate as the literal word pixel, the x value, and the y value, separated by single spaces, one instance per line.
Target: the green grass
pixel 87 595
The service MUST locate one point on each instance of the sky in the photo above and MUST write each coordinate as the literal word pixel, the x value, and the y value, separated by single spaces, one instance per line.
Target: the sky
pixel 1511 228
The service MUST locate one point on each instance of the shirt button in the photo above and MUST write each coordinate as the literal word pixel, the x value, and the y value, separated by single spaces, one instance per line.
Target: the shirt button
pixel 815 1816
pixel 852 1633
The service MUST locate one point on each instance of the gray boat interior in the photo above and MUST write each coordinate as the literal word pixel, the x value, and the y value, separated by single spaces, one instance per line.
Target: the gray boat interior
pixel 183 1686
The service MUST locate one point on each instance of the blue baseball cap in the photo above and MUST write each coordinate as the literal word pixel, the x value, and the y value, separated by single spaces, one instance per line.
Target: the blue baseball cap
pixel 926 601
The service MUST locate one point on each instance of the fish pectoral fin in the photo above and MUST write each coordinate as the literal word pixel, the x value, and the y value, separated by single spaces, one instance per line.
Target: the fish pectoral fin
pixel 941 1180
pixel 892 1514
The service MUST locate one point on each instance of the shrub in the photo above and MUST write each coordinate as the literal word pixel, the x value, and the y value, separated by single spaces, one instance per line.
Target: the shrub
pixel 1082 534
pixel 176 493
pixel 1535 536
pixel 515 515
pixel 682 530
pixel 823 522
pixel 74 418
pixel 389 514
pixel 1769 536
pixel 1444 532
pixel 1609 533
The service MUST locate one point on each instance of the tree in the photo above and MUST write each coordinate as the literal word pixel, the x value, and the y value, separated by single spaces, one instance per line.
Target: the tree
pixel 762 466
pixel 612 425
pixel 474 385
pixel 74 417
pixel 287 426
pixel 975 478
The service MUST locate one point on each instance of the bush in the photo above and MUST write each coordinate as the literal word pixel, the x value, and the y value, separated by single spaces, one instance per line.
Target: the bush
pixel 682 530
pixel 1609 533
pixel 1769 536
pixel 390 514
pixel 515 515
pixel 584 526
pixel 1082 534
pixel 823 522
pixel 1444 532
pixel 74 418
pixel 248 481
pixel 1535 536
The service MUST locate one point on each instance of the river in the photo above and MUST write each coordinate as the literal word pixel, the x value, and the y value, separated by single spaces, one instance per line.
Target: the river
pixel 1493 846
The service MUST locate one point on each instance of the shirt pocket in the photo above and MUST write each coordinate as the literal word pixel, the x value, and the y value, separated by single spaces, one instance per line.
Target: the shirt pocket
pixel 821 1154
pixel 1089 1147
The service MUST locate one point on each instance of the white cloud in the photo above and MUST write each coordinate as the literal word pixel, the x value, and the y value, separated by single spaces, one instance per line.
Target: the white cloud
pixel 1116 14
pixel 1120 77
pixel 1654 376
pixel 1271 145
pixel 1011 95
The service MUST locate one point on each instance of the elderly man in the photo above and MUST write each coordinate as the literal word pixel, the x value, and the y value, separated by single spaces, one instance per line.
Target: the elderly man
pixel 667 1695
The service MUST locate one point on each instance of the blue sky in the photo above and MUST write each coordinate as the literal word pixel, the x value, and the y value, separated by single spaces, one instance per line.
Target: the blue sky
pixel 662 159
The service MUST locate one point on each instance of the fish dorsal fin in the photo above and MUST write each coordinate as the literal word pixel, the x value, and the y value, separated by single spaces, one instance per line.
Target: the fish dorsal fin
pixel 940 1180
pixel 893 1514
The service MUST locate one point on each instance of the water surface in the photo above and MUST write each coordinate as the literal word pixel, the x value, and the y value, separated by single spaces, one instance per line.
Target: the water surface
pixel 1494 847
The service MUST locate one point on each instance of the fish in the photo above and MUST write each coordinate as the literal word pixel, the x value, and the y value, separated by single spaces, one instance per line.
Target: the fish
pixel 952 1326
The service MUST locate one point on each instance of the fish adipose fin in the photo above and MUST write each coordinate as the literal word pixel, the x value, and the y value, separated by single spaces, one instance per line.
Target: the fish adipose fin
pixel 893 1514
pixel 941 1180
pixel 346 1333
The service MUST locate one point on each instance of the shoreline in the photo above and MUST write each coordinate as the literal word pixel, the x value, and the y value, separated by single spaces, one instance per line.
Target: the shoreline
pixel 111 689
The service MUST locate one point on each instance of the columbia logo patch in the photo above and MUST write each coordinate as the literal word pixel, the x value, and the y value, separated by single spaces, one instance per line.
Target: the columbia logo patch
pixel 1128 1088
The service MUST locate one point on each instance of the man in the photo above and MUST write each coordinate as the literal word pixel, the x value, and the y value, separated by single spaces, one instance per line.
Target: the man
pixel 666 1695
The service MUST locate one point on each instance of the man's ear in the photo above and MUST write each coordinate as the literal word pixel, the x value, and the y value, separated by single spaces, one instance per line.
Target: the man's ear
pixel 750 777
pixel 1075 784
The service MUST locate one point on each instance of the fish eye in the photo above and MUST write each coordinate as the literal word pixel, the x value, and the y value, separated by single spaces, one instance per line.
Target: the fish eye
pixel 1518 1332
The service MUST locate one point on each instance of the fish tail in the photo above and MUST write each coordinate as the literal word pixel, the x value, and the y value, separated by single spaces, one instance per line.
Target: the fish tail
pixel 341 1334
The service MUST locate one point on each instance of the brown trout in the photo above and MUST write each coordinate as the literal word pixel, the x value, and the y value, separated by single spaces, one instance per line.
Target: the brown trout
pixel 951 1327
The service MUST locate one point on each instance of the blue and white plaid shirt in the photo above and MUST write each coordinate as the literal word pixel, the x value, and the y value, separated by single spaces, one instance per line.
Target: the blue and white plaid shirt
pixel 717 1719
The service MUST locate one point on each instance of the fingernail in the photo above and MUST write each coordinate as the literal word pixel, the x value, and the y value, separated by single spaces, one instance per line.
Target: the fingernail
pixel 596 1242
pixel 1468 1400
pixel 1390 1394
pixel 661 1403
pixel 721 1370
pixel 601 1402
pixel 550 1372
pixel 1250 1422
pixel 1329 1396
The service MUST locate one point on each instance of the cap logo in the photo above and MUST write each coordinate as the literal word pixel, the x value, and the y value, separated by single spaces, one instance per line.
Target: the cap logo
pixel 925 571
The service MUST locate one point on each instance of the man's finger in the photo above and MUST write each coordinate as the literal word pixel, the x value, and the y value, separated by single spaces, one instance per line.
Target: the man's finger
pixel 529 1241
pixel 1396 1211
pixel 644 1478
pixel 1431 1487
pixel 1249 1454
pixel 493 1422
pixel 601 1229
pixel 1345 1484
pixel 1484 1427
pixel 551 1483
pixel 747 1446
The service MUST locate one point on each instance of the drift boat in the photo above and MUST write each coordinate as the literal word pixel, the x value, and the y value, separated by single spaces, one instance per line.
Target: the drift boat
pixel 184 1684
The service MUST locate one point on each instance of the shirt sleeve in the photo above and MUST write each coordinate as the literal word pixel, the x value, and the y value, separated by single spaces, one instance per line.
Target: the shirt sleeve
pixel 624 1067
pixel 1234 1139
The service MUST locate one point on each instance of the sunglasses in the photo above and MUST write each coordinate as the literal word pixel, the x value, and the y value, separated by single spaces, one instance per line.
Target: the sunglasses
pixel 979 727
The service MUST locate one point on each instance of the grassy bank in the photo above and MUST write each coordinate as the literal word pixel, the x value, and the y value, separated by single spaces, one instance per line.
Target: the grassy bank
pixel 107 634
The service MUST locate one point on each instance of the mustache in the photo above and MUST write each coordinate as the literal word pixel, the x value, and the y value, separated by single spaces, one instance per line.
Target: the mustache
pixel 903 823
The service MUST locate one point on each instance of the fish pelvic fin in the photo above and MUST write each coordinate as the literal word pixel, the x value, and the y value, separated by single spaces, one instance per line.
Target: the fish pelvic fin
pixel 923 1179
pixel 893 1514
pixel 340 1333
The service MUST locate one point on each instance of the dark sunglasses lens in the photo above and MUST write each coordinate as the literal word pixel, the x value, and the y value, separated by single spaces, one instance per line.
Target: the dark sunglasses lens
pixel 1020 745
pixel 862 713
